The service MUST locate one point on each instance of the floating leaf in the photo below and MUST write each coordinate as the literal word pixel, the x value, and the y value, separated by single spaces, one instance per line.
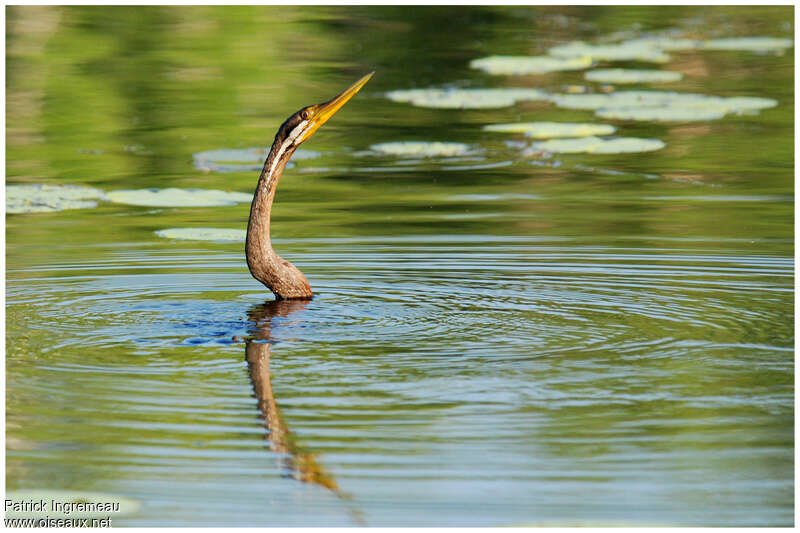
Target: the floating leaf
pixel 547 130
pixel 466 98
pixel 630 99
pixel 662 105
pixel 752 44
pixel 423 149
pixel 174 197
pixel 665 113
pixel 204 234
pixel 621 75
pixel 529 64
pixel 598 145
pixel 626 51
pixel 40 198
pixel 667 44
pixel 743 104
pixel 582 101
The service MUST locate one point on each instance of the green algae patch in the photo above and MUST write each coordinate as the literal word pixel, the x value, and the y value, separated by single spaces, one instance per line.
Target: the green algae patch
pixel 520 65
pixel 240 159
pixel 626 51
pixel 42 198
pixel 749 44
pixel 549 130
pixel 63 504
pixel 598 145
pixel 204 234
pixel 622 76
pixel 466 98
pixel 423 149
pixel 174 197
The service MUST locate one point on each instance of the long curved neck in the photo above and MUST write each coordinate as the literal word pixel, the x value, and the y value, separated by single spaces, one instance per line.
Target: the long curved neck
pixel 280 276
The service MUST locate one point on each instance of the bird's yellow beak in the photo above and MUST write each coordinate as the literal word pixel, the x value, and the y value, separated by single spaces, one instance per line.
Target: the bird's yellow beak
pixel 322 112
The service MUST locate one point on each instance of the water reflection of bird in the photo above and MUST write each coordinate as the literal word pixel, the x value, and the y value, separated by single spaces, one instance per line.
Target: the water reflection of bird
pixel 299 465
pixel 280 276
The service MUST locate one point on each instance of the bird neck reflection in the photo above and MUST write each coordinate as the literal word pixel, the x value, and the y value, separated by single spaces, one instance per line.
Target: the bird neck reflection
pixel 299 465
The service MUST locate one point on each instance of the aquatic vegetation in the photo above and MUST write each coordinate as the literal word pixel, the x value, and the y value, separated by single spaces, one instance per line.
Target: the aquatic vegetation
pixel 653 48
pixel 204 234
pixel 751 44
pixel 240 159
pixel 529 64
pixel 621 75
pixel 668 44
pixel 423 149
pixel 666 113
pixel 547 130
pixel 174 197
pixel 41 198
pixel 466 98
pixel 626 51
pixel 746 104
pixel 662 105
pixel 481 166
pixel 47 198
pixel 598 145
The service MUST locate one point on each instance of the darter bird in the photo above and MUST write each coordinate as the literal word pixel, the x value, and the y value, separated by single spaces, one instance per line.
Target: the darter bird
pixel 280 276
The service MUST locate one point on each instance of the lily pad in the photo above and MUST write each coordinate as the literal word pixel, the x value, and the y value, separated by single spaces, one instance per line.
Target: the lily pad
pixel 626 51
pixel 466 98
pixel 548 130
pixel 751 44
pixel 529 64
pixel 668 44
pixel 665 113
pixel 630 99
pixel 598 145
pixel 70 504
pixel 40 198
pixel 423 149
pixel 744 104
pixel 621 75
pixel 174 197
pixel 662 105
pixel 204 234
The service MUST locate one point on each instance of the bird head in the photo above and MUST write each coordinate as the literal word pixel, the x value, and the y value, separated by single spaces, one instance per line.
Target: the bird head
pixel 302 124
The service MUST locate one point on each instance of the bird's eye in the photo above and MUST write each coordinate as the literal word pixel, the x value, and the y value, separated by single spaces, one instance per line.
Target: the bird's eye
pixel 304 114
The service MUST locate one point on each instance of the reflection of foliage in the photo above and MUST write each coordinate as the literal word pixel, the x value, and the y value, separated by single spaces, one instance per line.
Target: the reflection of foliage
pixel 125 76
pixel 177 81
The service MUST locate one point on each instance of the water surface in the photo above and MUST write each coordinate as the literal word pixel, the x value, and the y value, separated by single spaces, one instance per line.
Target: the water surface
pixel 497 338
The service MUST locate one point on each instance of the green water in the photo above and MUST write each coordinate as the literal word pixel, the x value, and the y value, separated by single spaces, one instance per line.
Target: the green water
pixel 496 340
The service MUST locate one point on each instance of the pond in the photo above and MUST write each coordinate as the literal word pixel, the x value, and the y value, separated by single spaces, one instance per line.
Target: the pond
pixel 567 303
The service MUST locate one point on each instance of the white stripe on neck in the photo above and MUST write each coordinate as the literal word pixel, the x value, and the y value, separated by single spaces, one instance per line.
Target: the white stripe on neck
pixel 296 132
